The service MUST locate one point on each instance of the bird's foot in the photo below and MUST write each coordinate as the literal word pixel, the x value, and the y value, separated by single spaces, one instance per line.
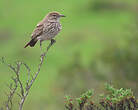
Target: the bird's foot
pixel 53 41
pixel 42 54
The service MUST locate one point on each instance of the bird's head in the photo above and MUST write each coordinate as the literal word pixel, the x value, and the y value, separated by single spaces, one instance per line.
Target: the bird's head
pixel 54 16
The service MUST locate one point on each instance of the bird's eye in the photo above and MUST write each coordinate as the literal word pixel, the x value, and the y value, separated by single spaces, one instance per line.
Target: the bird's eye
pixel 54 15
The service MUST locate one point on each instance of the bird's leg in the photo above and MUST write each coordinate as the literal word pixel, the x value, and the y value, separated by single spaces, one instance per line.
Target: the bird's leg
pixel 41 47
pixel 53 41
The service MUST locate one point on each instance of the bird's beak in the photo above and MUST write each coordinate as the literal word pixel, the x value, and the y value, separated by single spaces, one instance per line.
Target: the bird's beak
pixel 62 16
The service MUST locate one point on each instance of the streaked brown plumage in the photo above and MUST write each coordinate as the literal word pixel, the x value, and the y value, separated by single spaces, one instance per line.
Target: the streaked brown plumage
pixel 47 29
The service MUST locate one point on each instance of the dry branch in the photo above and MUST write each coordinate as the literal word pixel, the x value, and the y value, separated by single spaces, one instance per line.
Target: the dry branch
pixel 18 83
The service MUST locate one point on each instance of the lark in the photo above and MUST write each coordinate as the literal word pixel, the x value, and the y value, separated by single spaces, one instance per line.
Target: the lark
pixel 47 29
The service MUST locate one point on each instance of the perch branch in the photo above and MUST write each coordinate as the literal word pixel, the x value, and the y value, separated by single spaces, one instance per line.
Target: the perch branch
pixel 29 85
pixel 24 90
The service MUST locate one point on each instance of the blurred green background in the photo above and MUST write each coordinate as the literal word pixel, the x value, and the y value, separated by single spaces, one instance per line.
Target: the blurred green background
pixel 98 44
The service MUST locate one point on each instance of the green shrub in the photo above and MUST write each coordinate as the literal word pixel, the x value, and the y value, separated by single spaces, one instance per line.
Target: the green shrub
pixel 113 99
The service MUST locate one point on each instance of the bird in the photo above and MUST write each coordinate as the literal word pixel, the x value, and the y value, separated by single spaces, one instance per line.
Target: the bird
pixel 46 29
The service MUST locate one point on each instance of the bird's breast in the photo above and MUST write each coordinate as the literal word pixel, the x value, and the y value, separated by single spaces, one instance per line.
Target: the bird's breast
pixel 51 30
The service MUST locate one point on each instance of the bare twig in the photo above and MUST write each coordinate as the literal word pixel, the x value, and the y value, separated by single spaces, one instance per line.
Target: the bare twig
pixel 8 103
pixel 28 69
pixel 11 94
pixel 24 90
pixel 29 85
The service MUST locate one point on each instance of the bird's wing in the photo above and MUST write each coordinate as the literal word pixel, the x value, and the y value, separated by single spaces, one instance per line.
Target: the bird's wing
pixel 38 30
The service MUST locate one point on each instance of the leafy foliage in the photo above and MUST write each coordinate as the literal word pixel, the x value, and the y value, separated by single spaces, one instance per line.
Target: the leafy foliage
pixel 113 99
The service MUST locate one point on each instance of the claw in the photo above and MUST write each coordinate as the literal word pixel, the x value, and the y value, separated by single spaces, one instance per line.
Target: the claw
pixel 53 41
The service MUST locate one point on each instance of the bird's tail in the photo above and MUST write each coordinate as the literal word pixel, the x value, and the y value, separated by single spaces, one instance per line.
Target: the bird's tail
pixel 31 43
